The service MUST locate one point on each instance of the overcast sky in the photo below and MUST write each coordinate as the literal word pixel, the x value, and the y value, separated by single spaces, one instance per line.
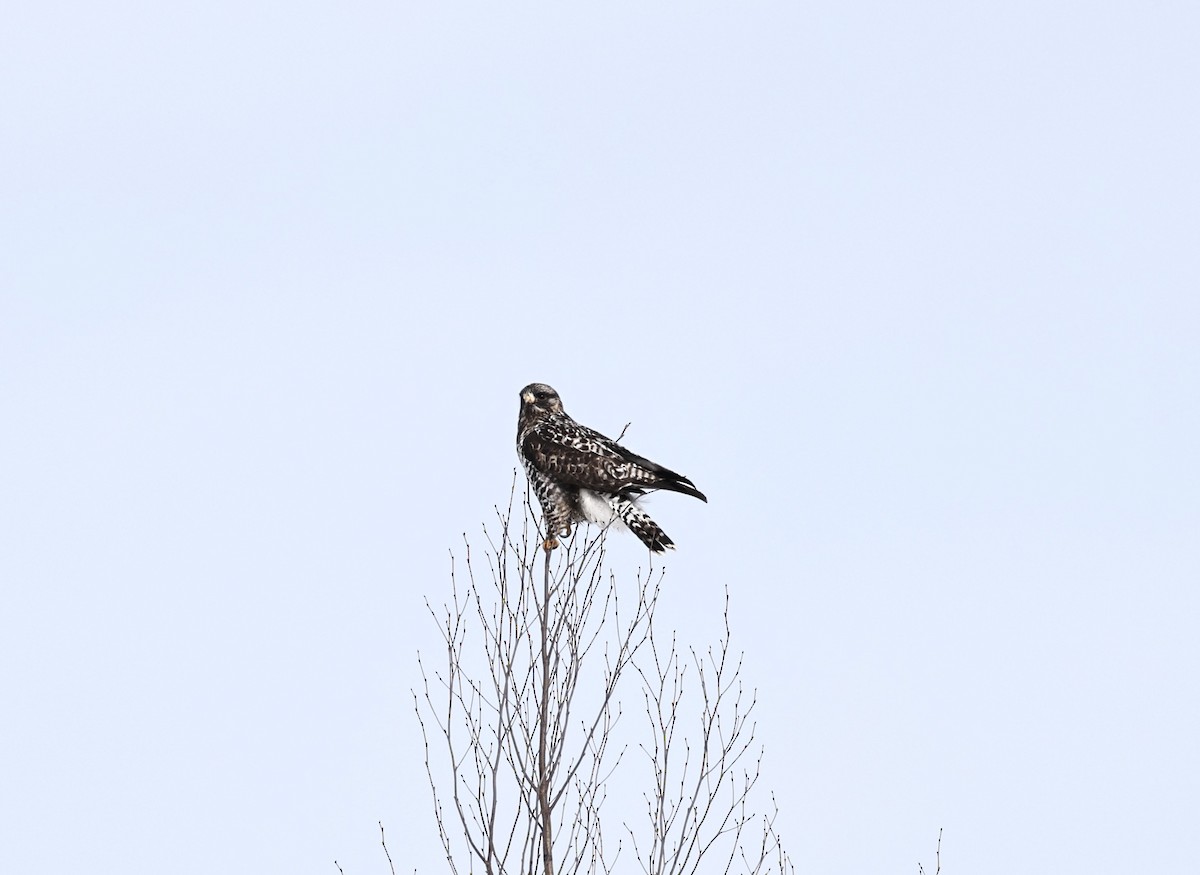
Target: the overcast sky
pixel 909 290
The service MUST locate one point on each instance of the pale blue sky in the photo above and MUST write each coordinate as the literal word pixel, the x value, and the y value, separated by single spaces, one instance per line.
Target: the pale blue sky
pixel 909 290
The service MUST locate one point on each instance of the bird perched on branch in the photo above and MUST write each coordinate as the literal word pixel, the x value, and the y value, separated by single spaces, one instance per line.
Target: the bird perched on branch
pixel 580 475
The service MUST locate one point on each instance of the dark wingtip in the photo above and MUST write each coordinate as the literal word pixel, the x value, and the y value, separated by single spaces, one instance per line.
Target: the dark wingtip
pixel 685 486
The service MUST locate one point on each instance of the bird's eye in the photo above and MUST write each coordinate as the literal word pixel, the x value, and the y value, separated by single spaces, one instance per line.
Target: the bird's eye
pixel 540 396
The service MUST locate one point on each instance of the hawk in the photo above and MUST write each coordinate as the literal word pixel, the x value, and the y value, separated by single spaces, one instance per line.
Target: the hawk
pixel 580 475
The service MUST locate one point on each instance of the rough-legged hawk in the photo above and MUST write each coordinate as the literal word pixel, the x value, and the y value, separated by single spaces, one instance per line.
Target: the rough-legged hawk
pixel 579 474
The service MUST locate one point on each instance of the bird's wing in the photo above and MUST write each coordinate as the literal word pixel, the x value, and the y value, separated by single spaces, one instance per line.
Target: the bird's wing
pixel 579 456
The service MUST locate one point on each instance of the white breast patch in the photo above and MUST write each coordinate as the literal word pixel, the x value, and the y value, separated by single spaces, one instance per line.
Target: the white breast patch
pixel 597 508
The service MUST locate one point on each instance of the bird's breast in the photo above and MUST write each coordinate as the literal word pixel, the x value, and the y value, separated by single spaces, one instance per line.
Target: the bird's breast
pixel 595 507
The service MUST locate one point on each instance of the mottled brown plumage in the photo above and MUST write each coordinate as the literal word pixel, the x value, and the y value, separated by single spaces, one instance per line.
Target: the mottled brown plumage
pixel 579 474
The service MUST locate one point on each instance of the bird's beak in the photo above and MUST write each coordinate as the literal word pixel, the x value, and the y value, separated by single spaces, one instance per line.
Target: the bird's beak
pixel 527 398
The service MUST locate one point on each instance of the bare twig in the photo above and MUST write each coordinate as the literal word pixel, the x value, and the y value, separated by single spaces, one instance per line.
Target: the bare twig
pixel 937 857
pixel 386 852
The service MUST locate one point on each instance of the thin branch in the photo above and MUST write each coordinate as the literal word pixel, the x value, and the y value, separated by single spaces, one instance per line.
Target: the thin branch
pixel 937 857
pixel 386 852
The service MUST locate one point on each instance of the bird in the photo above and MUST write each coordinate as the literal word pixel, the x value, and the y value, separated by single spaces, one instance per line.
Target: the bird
pixel 579 475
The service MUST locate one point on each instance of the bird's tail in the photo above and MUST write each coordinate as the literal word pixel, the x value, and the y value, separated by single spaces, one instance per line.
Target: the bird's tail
pixel 646 529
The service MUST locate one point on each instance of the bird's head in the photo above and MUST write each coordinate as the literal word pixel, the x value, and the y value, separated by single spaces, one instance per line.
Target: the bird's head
pixel 538 400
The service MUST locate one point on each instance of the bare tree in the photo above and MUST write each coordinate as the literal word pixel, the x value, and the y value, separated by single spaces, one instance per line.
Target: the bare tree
pixel 523 728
